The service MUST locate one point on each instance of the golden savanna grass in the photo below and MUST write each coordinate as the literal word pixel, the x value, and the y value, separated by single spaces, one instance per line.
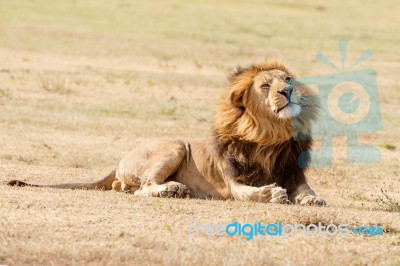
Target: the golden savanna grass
pixel 82 82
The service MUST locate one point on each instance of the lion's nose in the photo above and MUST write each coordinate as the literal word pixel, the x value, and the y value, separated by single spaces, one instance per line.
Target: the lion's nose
pixel 287 91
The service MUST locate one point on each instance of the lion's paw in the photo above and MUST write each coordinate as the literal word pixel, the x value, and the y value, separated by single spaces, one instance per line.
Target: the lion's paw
pixel 274 194
pixel 173 190
pixel 279 195
pixel 310 200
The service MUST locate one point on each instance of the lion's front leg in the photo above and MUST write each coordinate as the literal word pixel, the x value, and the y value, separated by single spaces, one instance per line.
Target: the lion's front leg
pixel 271 193
pixel 304 195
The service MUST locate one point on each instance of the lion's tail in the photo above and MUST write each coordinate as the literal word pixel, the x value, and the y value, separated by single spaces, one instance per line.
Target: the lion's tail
pixel 104 184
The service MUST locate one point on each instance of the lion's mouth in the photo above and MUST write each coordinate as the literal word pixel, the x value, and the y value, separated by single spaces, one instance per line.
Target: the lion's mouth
pixel 291 109
pixel 280 109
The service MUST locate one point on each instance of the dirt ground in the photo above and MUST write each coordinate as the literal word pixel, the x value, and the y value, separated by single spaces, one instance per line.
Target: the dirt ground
pixel 82 82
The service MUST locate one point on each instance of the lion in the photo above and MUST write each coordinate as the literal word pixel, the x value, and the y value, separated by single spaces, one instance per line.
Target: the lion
pixel 252 154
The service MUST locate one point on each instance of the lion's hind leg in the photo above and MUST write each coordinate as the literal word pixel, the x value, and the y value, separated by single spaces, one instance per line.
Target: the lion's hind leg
pixel 169 189
pixel 118 185
pixel 156 163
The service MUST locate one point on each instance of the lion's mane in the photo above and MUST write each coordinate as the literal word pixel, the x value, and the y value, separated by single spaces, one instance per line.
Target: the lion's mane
pixel 258 147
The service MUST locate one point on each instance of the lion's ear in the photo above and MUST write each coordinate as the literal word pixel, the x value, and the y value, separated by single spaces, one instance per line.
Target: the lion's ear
pixel 239 70
pixel 237 98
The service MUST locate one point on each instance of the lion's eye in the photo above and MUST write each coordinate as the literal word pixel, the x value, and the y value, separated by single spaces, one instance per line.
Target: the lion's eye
pixel 289 80
pixel 265 86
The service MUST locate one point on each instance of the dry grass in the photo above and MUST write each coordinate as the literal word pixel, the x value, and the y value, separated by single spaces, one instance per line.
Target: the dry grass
pixel 54 84
pixel 81 82
pixel 388 202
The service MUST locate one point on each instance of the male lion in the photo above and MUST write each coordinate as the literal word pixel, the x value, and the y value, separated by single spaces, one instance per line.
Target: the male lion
pixel 252 155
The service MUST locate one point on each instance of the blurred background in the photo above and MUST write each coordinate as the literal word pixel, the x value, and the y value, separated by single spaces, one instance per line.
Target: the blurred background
pixel 198 32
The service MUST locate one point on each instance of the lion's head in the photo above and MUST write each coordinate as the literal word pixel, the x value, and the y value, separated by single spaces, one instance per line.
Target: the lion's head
pixel 265 105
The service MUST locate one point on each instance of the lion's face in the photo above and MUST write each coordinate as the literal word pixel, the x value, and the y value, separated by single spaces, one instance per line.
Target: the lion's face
pixel 264 105
pixel 275 90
